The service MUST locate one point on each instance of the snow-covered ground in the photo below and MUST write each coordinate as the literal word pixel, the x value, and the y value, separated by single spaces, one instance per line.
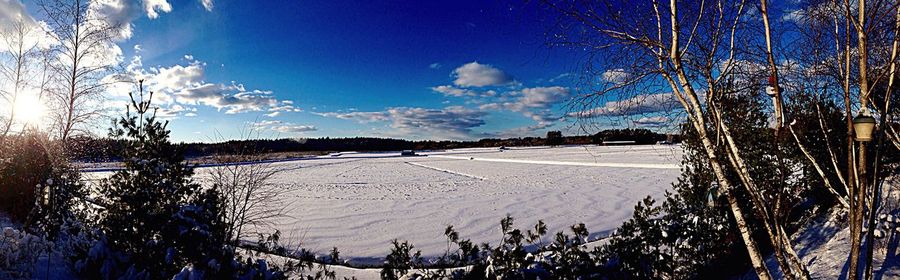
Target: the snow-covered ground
pixel 359 202
pixel 824 245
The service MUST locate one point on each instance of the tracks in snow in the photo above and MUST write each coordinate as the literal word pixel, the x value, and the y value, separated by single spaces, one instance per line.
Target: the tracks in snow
pixel 569 163
pixel 446 170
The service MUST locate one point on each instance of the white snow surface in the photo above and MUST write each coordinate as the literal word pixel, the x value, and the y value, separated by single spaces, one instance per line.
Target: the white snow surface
pixel 359 202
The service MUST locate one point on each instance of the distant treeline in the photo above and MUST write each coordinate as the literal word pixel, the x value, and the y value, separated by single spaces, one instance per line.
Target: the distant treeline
pixel 106 149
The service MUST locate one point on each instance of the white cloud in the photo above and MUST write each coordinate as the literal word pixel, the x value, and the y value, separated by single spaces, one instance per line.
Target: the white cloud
pixel 174 110
pixel 535 103
pixel 207 4
pixel 121 13
pixel 285 106
pixel 656 121
pixel 265 123
pixel 177 76
pixel 282 127
pixel 474 74
pixel 453 122
pixel 640 104
pixel 435 65
pixel 559 77
pixel 231 98
pixel 153 7
pixel 118 14
pixel 449 90
pixel 617 76
pixel 185 85
pixel 529 100
pixel 294 128
pixel 542 97
pixel 13 14
pixel 11 11
pixel 454 91
pixel 361 117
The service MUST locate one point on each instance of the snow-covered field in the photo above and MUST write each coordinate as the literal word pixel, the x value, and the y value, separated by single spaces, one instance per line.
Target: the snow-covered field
pixel 359 202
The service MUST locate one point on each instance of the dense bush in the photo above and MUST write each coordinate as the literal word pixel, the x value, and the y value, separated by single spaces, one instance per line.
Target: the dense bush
pixel 25 162
pixel 39 191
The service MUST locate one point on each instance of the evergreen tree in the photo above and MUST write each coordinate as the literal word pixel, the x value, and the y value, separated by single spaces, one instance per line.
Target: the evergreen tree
pixel 142 199
pixel 156 222
pixel 555 138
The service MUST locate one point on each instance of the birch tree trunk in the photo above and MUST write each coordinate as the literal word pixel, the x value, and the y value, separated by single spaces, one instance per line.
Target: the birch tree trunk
pixel 692 106
pixel 856 217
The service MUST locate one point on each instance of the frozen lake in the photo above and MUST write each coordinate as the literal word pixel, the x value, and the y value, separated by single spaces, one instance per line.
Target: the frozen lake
pixel 359 202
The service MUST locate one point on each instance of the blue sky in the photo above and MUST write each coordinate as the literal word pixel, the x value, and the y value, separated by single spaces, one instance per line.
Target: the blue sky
pixel 459 70
pixel 434 70
pixel 359 69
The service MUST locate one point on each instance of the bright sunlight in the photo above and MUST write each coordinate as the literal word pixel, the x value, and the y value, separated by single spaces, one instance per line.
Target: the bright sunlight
pixel 30 110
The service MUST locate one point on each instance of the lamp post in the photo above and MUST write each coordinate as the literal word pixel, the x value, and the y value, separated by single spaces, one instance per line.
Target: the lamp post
pixel 863 125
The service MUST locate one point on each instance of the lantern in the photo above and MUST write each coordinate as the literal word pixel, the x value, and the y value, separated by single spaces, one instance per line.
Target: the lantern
pixel 863 124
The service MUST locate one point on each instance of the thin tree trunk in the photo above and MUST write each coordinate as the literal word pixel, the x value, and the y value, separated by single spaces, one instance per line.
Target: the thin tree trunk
pixel 779 113
pixel 860 190
pixel 876 184
pixel 759 265
pixel 819 170
pixel 778 236
pixel 695 112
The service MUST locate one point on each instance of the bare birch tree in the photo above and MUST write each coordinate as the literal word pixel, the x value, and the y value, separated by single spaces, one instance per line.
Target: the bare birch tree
pixel 691 49
pixel 694 49
pixel 17 67
pixel 866 69
pixel 84 56
pixel 253 201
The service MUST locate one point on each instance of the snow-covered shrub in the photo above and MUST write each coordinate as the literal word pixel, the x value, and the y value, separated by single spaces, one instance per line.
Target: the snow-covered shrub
pixel 565 258
pixel 568 258
pixel 19 251
pixel 508 259
pixel 63 200
pixel 401 260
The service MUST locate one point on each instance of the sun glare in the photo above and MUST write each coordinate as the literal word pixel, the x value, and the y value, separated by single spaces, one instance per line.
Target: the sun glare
pixel 30 110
